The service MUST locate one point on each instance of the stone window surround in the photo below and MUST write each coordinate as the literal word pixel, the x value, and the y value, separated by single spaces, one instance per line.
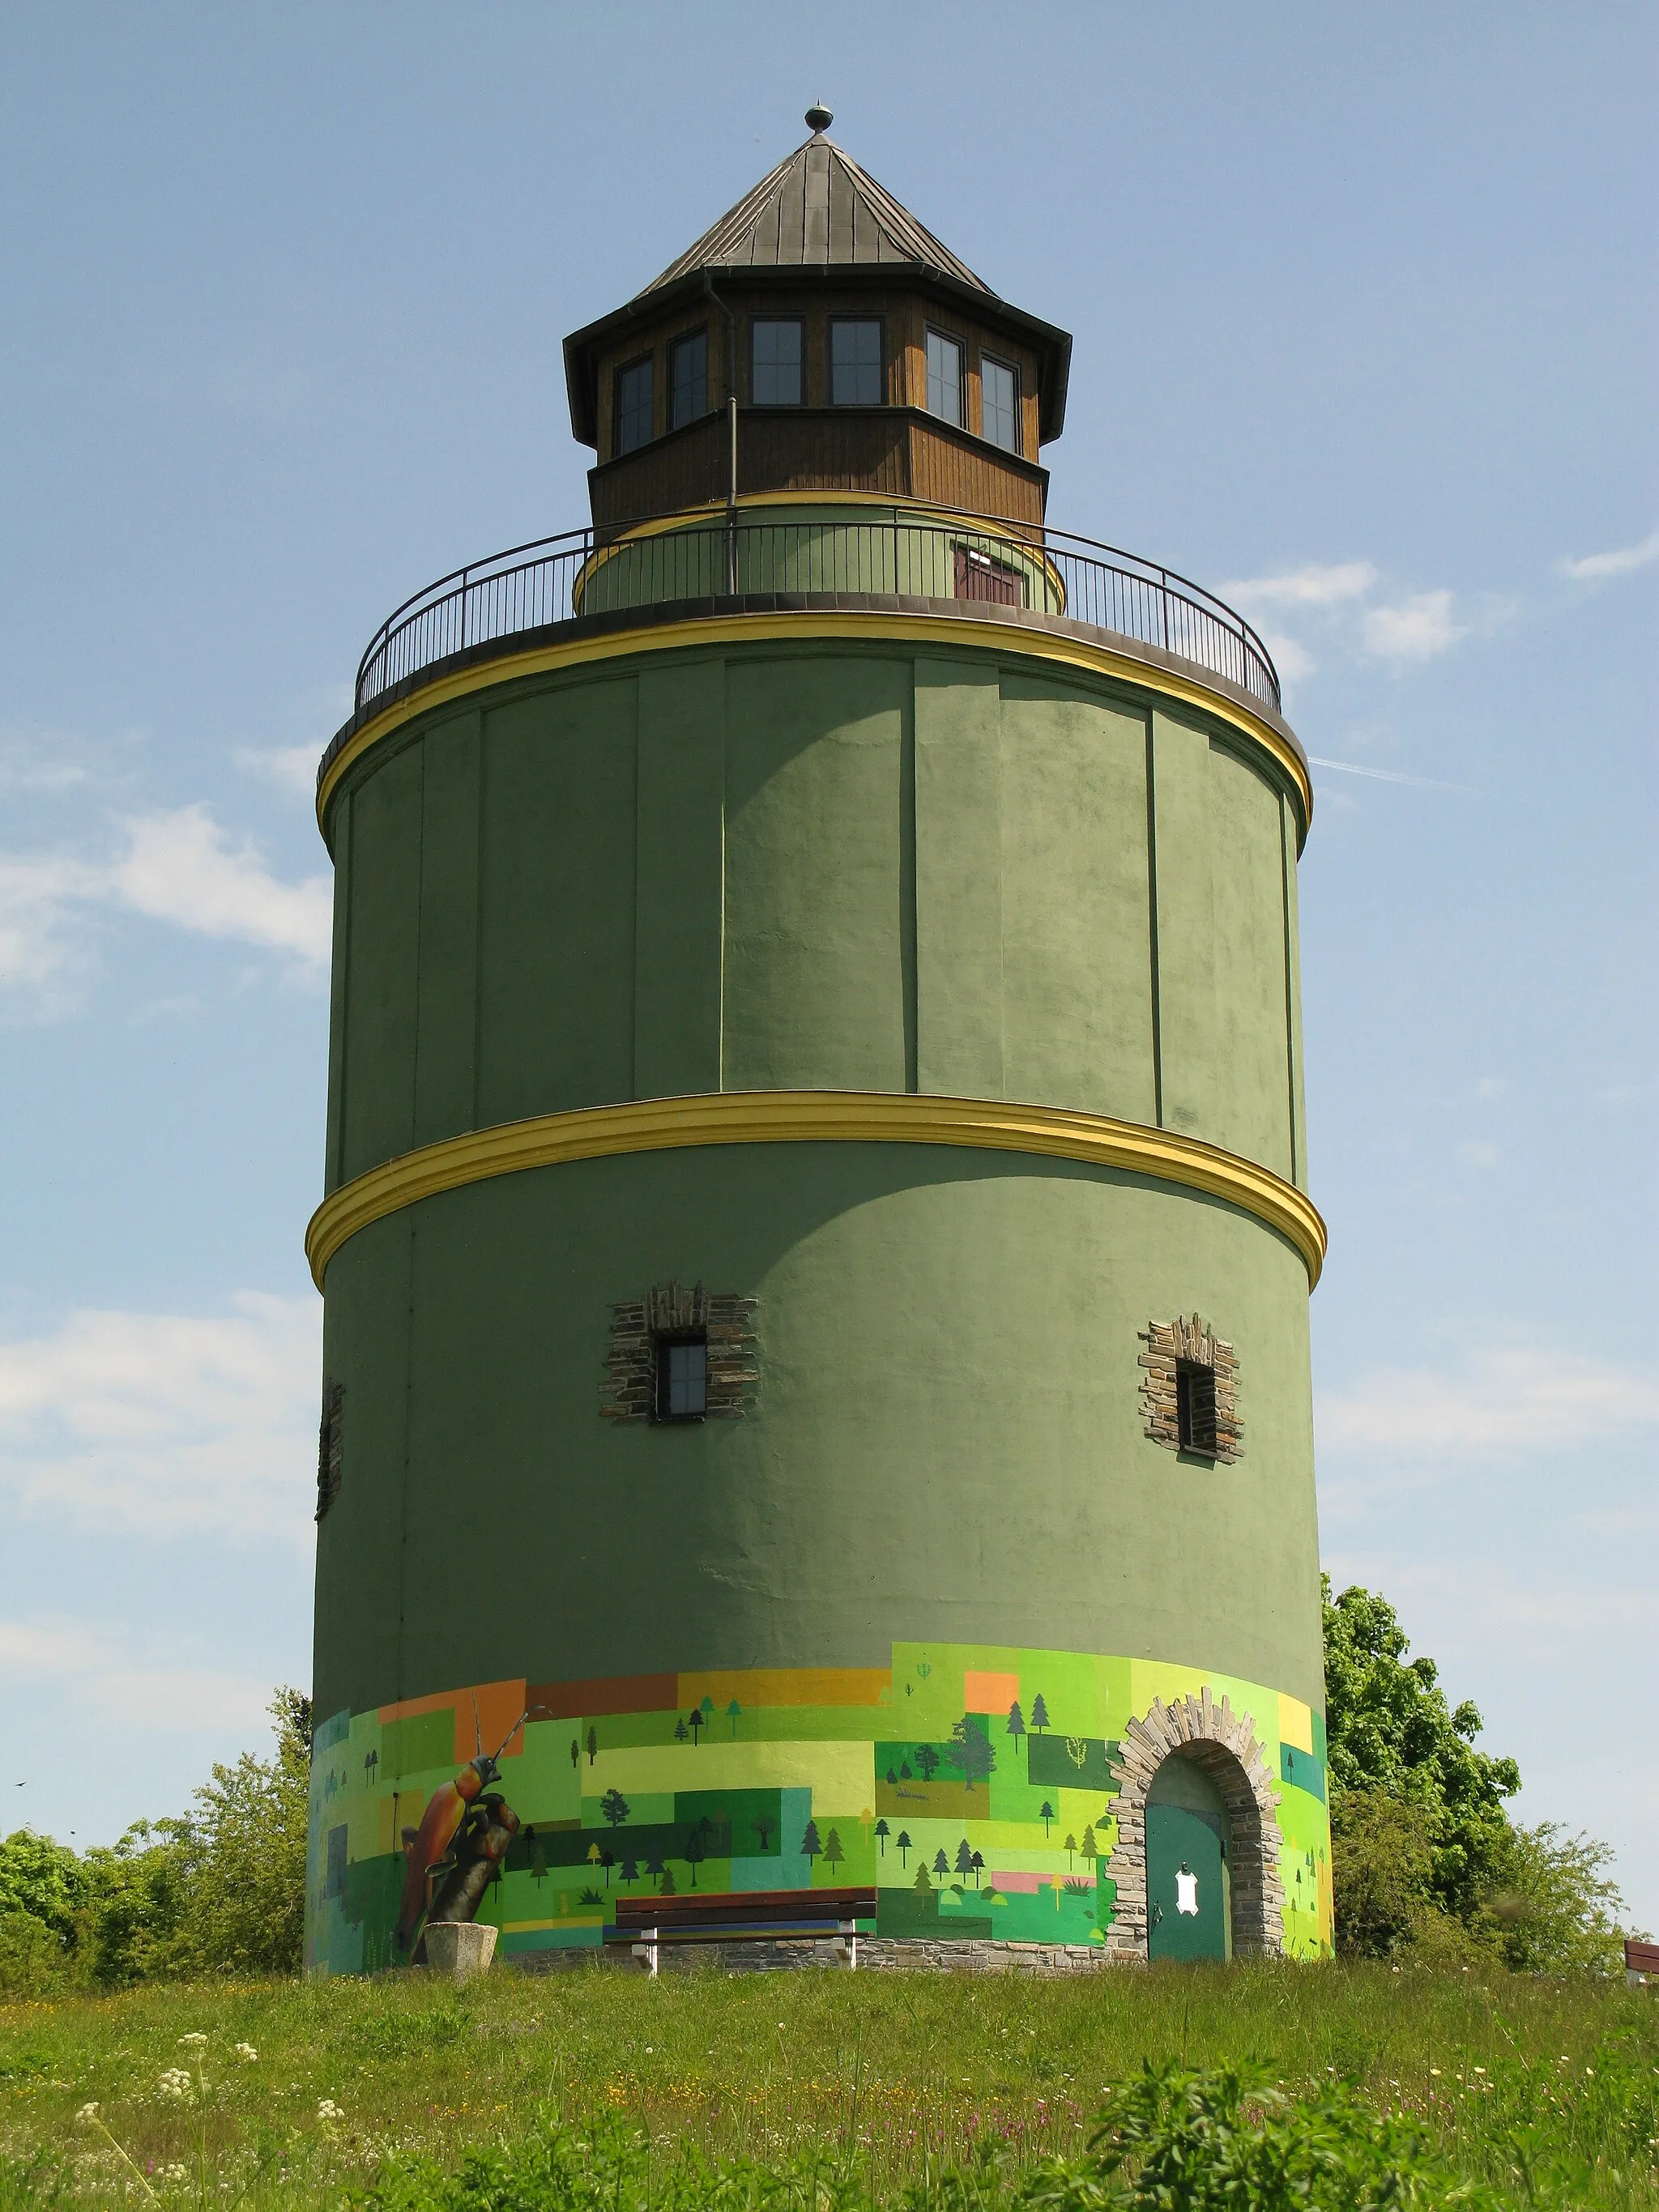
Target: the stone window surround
pixel 629 1389
pixel 1223 1746
pixel 1190 1338
pixel 329 1446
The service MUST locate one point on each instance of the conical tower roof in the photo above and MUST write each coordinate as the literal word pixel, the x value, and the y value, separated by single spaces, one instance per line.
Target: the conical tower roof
pixel 817 218
pixel 817 209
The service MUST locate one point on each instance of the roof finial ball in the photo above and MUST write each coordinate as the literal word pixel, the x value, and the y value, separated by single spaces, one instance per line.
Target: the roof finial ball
pixel 818 119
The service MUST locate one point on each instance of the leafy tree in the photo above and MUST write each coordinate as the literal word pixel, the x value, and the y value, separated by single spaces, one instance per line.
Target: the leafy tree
pixel 905 1774
pixel 892 1778
pixel 1555 1908
pixel 607 1860
pixel 1389 1727
pixel 763 1824
pixel 883 1832
pixel 970 1750
pixel 593 1745
pixel 1382 1873
pixel 43 1879
pixel 926 1762
pixel 693 1854
pixel 903 1844
pixel 615 1807
pixel 735 1714
pixel 1039 1713
pixel 575 1753
pixel 1046 1813
pixel 941 1864
pixel 833 1853
pixel 964 1857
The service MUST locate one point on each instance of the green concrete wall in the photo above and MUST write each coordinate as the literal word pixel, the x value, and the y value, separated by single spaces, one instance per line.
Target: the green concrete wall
pixel 815 865
pixel 946 1442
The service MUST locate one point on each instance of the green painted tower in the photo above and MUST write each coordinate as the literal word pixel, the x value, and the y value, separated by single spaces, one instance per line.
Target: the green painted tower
pixel 815 1240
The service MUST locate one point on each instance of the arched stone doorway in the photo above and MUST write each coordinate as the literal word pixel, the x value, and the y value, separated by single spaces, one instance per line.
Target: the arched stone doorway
pixel 1222 1747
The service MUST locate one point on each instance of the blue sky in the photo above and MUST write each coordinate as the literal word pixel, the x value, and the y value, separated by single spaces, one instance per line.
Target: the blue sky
pixel 1364 302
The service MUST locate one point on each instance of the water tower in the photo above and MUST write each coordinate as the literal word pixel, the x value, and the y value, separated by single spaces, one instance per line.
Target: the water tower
pixel 815 1240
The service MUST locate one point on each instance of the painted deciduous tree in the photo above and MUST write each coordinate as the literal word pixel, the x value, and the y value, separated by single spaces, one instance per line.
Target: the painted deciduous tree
pixel 614 1807
pixel 970 1750
pixel 926 1762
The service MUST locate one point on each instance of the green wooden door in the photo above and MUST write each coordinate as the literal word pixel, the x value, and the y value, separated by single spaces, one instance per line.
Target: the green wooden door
pixel 1187 1875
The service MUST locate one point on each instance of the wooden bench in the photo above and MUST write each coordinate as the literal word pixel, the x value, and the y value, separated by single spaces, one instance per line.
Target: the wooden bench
pixel 1641 1963
pixel 755 1916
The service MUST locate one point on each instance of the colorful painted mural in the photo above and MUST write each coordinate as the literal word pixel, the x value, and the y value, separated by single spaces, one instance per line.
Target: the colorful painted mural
pixel 973 1787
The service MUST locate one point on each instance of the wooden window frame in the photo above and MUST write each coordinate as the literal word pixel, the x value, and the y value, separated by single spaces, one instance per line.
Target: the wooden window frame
pixel 685 338
pixel 1012 369
pixel 880 325
pixel 799 322
pixel 958 422
pixel 661 1394
pixel 647 362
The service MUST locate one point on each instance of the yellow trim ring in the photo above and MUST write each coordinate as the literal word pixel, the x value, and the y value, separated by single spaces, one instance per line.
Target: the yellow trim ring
pixel 950 631
pixel 822 1117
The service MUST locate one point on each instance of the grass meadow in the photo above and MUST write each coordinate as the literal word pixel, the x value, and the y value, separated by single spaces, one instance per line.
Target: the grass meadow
pixel 236 2095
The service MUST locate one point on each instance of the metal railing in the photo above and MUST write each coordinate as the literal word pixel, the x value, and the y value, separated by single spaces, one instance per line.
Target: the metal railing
pixel 910 553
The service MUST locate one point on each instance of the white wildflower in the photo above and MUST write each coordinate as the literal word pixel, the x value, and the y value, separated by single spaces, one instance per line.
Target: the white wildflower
pixel 246 2053
pixel 195 2036
pixel 174 2173
pixel 328 2110
pixel 86 2114
pixel 175 2082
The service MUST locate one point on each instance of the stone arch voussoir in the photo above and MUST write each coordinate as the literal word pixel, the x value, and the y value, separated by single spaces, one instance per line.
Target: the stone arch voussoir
pixel 1223 1744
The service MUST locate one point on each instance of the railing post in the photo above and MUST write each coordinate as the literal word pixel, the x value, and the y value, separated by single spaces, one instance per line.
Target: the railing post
pixel 462 646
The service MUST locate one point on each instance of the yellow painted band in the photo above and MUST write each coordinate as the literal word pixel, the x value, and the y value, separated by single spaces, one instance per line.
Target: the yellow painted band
pixel 809 1117
pixel 949 630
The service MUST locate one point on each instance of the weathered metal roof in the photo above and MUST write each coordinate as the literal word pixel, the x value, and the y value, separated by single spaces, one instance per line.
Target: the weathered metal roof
pixel 817 208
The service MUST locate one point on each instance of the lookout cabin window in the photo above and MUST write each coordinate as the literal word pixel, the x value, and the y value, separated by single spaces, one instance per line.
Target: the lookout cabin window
pixel 999 390
pixel 683 1376
pixel 944 377
pixel 856 363
pixel 774 361
pixel 688 379
pixel 632 405
pixel 1195 1409
pixel 980 577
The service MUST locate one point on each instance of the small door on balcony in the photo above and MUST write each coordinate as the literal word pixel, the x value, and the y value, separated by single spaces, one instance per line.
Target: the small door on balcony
pixel 1187 1869
pixel 980 577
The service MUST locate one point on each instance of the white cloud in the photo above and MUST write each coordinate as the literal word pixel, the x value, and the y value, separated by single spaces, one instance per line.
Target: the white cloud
pixel 43 940
pixel 1416 629
pixel 1392 776
pixel 1514 1399
pixel 104 1673
pixel 291 768
pixel 1315 585
pixel 1596 567
pixel 1291 659
pixel 160 1421
pixel 181 867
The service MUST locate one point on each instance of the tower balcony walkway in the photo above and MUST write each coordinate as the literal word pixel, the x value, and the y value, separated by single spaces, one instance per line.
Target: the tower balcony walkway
pixel 813 556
